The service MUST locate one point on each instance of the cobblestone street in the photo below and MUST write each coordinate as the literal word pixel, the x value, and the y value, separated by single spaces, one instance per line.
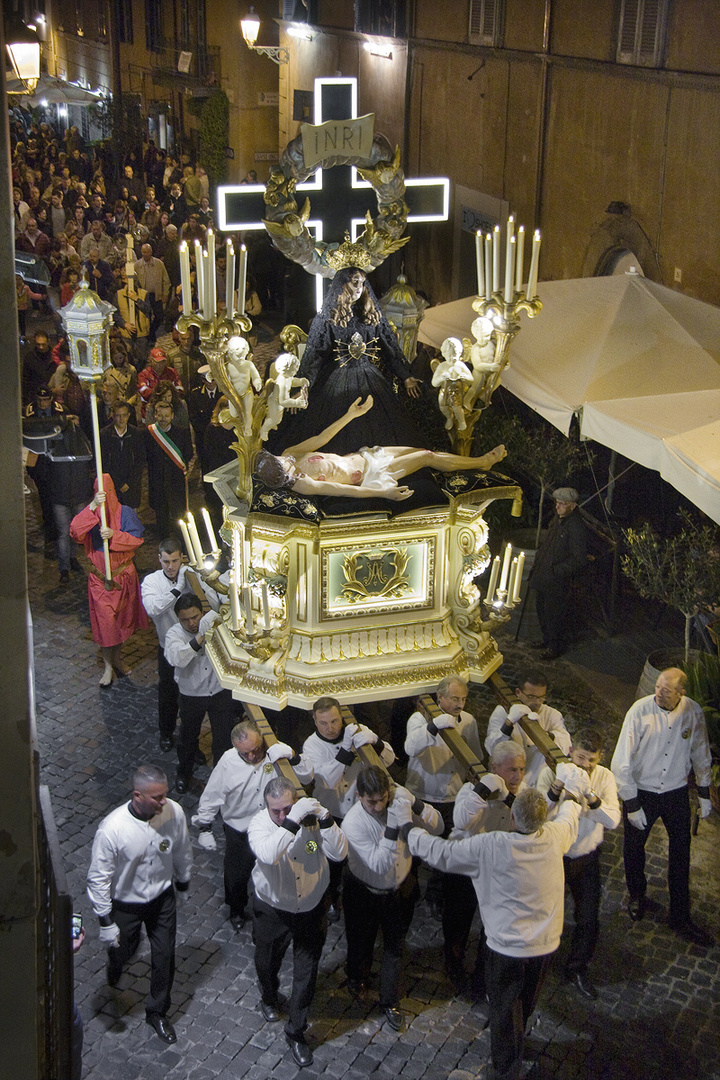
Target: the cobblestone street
pixel 656 1015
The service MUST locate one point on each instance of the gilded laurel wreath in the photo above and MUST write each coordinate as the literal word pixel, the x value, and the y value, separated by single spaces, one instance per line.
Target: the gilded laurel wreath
pixel 373 569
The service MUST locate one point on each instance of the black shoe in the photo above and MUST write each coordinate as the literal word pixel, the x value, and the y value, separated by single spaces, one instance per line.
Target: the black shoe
pixel 75 565
pixel 199 758
pixel 237 922
pixel 356 987
pixel 271 1013
pixel 64 577
pixel 114 971
pixel 333 913
pixel 693 933
pixel 581 982
pixel 551 654
pixel 162 1027
pixel 636 908
pixel 300 1051
pixel 166 743
pixel 394 1017
pixel 181 785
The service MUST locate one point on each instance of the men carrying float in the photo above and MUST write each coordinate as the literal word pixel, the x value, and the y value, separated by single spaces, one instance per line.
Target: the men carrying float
pixel 531 693
pixel 381 888
pixel 236 788
pixel 332 751
pixel 292 840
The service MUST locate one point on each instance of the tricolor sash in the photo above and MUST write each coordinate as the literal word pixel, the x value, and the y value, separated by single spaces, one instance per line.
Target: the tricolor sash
pixel 163 440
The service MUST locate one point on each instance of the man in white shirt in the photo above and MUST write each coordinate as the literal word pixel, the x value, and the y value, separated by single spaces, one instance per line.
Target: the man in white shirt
pixel 236 788
pixel 160 590
pixel 663 737
pixel 479 808
pixel 601 810
pixel 332 751
pixel 292 840
pixel 381 886
pixel 531 694
pixel 433 773
pixel 519 884
pixel 139 849
pixel 199 688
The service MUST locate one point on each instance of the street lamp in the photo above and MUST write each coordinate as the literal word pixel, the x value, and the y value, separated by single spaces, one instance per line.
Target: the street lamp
pixel 23 46
pixel 250 27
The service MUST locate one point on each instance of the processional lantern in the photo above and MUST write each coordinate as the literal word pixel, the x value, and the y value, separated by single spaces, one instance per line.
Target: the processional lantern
pixel 404 309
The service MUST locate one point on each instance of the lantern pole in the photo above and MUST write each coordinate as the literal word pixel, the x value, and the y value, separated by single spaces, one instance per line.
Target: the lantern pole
pixel 99 474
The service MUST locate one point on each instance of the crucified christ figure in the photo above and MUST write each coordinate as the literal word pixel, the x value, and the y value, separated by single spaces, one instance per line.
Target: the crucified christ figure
pixel 372 472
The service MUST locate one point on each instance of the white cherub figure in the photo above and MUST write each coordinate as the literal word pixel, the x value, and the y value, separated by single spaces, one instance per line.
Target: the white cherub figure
pixel 482 357
pixel 280 398
pixel 448 375
pixel 242 373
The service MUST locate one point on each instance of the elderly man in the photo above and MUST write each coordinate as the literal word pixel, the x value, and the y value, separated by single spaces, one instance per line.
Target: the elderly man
pixel 139 850
pixel 100 275
pixel 479 808
pixel 236 788
pixel 582 862
pixel 292 840
pixel 381 886
pixel 531 692
pixel 518 879
pixel 558 561
pixel 663 737
pixel 331 749
pixel 200 691
pixel 151 275
pixel 96 237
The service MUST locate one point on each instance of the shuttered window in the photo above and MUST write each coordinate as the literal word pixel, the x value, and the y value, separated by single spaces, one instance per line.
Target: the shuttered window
pixel 485 22
pixel 641 34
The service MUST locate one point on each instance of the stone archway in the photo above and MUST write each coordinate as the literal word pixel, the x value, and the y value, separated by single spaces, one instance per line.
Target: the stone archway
pixel 618 235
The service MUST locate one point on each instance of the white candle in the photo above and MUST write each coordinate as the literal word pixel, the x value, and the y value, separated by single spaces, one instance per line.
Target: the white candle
pixel 511 581
pixel 519 255
pixel 510 228
pixel 242 280
pixel 199 277
pixel 234 603
pixel 211 274
pixel 247 604
pixel 185 278
pixel 186 539
pixel 237 556
pixel 509 270
pixel 505 568
pixel 479 263
pixel 518 576
pixel 214 546
pixel 534 260
pixel 265 606
pixel 496 258
pixel 488 266
pixel 493 579
pixel 195 540
pixel 230 281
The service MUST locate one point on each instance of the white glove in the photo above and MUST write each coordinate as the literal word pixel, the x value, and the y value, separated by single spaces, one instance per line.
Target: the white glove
pixel 363 737
pixel 208 620
pixel 349 732
pixel 574 779
pixel 110 936
pixel 638 819
pixel 445 720
pixel 495 783
pixel 400 811
pixel 303 808
pixel 705 807
pixel 279 750
pixel 207 840
pixel 517 711
pixel 179 583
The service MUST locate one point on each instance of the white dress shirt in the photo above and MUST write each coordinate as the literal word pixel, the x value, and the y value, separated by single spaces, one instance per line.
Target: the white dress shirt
pixel 135 861
pixel 377 860
pixel 657 748
pixel 159 595
pixel 518 879
pixel 291 870
pixel 236 789
pixel 550 720
pixel 432 772
pixel 336 783
pixel 473 815
pixel 593 823
pixel 194 673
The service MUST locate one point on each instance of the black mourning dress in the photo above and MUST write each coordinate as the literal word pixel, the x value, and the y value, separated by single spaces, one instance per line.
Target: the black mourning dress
pixel 343 363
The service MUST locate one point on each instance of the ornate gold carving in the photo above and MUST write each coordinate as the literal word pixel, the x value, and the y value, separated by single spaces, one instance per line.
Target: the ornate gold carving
pixel 383 574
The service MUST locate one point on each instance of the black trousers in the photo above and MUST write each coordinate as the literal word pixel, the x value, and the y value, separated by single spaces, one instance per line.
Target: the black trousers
pixel 513 984
pixel 168 694
pixel 582 877
pixel 434 890
pixel 221 711
pixel 552 606
pixel 366 913
pixel 273 931
pixel 239 861
pixel 459 907
pixel 159 919
pixel 673 809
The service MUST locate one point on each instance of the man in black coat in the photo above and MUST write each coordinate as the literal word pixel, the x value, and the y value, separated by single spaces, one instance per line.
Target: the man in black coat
pixel 123 454
pixel 560 558
pixel 169 450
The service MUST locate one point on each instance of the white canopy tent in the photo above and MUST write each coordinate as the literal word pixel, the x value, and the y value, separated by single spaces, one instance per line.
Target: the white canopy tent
pixel 639 363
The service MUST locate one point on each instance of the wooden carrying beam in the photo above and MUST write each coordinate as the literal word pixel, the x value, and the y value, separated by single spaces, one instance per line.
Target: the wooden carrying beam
pixel 283 766
pixel 367 754
pixel 474 770
pixel 545 743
